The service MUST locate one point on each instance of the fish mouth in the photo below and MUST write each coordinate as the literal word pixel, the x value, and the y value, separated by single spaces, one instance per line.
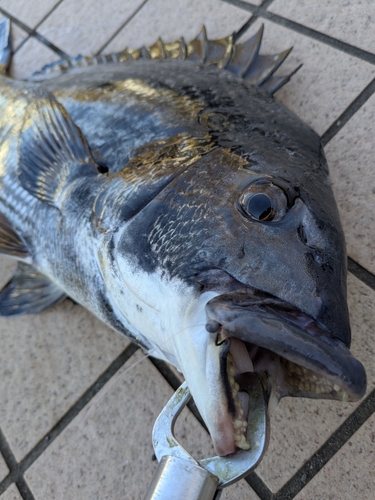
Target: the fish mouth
pixel 287 349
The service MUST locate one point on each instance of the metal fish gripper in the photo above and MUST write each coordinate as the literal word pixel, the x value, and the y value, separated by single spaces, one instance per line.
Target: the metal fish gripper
pixel 179 476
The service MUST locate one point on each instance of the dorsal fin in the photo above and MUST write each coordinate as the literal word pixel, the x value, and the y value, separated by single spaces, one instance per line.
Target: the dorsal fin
pixel 53 151
pixel 10 243
pixel 5 46
pixel 29 292
pixel 242 59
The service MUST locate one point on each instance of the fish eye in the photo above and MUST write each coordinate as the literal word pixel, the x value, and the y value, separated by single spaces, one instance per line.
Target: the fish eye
pixel 264 201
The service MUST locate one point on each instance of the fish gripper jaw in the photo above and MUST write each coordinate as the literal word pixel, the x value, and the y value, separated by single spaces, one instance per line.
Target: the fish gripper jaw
pixel 179 476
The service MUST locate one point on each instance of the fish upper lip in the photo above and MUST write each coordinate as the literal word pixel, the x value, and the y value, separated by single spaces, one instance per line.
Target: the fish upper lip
pixel 269 323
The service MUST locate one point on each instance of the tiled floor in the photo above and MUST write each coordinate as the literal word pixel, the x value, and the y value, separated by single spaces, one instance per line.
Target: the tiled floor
pixel 77 403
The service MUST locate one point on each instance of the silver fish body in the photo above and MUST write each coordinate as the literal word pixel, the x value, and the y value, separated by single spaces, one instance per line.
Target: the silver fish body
pixel 187 209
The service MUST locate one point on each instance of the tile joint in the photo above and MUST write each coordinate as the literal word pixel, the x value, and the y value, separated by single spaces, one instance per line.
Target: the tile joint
pixel 17 469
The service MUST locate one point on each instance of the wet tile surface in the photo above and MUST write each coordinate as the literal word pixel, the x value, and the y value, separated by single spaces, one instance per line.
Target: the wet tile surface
pixel 350 21
pixel 350 157
pixel 351 470
pixel 46 362
pixel 326 84
pixel 11 493
pixel 183 19
pixel 300 426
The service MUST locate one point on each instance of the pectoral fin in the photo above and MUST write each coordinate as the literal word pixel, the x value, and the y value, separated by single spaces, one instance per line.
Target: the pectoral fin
pixel 29 292
pixel 53 150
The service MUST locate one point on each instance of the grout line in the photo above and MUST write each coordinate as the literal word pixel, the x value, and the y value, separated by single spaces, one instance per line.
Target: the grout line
pixel 304 30
pixel 260 488
pixel 256 10
pixel 35 34
pixel 358 102
pixel 321 37
pixel 11 462
pixel 38 24
pixel 121 27
pixel 24 489
pixel 77 407
pixel 17 469
pixel 328 449
pixel 361 273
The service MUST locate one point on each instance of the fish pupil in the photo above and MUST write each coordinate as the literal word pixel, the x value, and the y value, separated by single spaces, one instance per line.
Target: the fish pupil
pixel 260 207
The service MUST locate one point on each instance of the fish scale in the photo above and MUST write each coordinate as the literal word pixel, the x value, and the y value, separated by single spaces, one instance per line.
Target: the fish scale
pixel 166 190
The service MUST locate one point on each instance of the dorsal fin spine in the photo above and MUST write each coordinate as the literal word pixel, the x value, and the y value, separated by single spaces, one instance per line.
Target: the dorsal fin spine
pixel 255 68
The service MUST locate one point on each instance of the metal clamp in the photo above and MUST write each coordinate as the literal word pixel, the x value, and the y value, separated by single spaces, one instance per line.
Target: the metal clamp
pixel 179 475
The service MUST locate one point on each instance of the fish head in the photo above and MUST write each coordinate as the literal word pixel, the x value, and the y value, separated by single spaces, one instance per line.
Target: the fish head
pixel 253 239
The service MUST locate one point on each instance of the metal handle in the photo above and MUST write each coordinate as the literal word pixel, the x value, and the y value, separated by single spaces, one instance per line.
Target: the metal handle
pixel 179 479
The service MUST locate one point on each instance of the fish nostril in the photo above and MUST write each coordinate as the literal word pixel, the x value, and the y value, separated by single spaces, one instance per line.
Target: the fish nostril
pixel 318 256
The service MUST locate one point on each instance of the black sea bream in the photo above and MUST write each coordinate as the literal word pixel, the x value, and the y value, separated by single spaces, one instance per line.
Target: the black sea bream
pixel 169 193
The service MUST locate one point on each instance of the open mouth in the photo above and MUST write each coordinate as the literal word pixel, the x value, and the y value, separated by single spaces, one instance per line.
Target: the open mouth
pixel 291 354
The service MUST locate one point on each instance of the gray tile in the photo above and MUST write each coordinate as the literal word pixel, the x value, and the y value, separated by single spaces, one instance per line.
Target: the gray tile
pixel 31 57
pixel 328 81
pixel 11 493
pixel 30 13
pixel 17 34
pixel 254 2
pixel 239 491
pixel 300 426
pixel 350 473
pixel 351 22
pixel 78 27
pixel 107 448
pixel 3 468
pixel 350 157
pixel 171 20
pixel 7 268
pixel 46 362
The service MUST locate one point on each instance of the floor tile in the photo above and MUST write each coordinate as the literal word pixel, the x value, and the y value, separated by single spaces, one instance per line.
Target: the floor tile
pixel 7 268
pixel 31 57
pixel 300 426
pixel 253 2
pixel 350 473
pixel 239 491
pixel 29 12
pixel 11 493
pixel 46 362
pixel 107 449
pixel 3 468
pixel 328 81
pixel 170 21
pixel 352 22
pixel 17 34
pixel 350 157
pixel 79 26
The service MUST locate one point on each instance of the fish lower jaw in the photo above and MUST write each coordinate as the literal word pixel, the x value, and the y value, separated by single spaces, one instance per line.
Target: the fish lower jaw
pixel 241 405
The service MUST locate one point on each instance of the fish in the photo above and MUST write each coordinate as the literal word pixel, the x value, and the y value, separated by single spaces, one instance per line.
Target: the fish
pixel 168 192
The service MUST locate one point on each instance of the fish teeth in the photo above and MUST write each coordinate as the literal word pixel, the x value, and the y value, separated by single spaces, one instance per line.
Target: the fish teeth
pixel 241 442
